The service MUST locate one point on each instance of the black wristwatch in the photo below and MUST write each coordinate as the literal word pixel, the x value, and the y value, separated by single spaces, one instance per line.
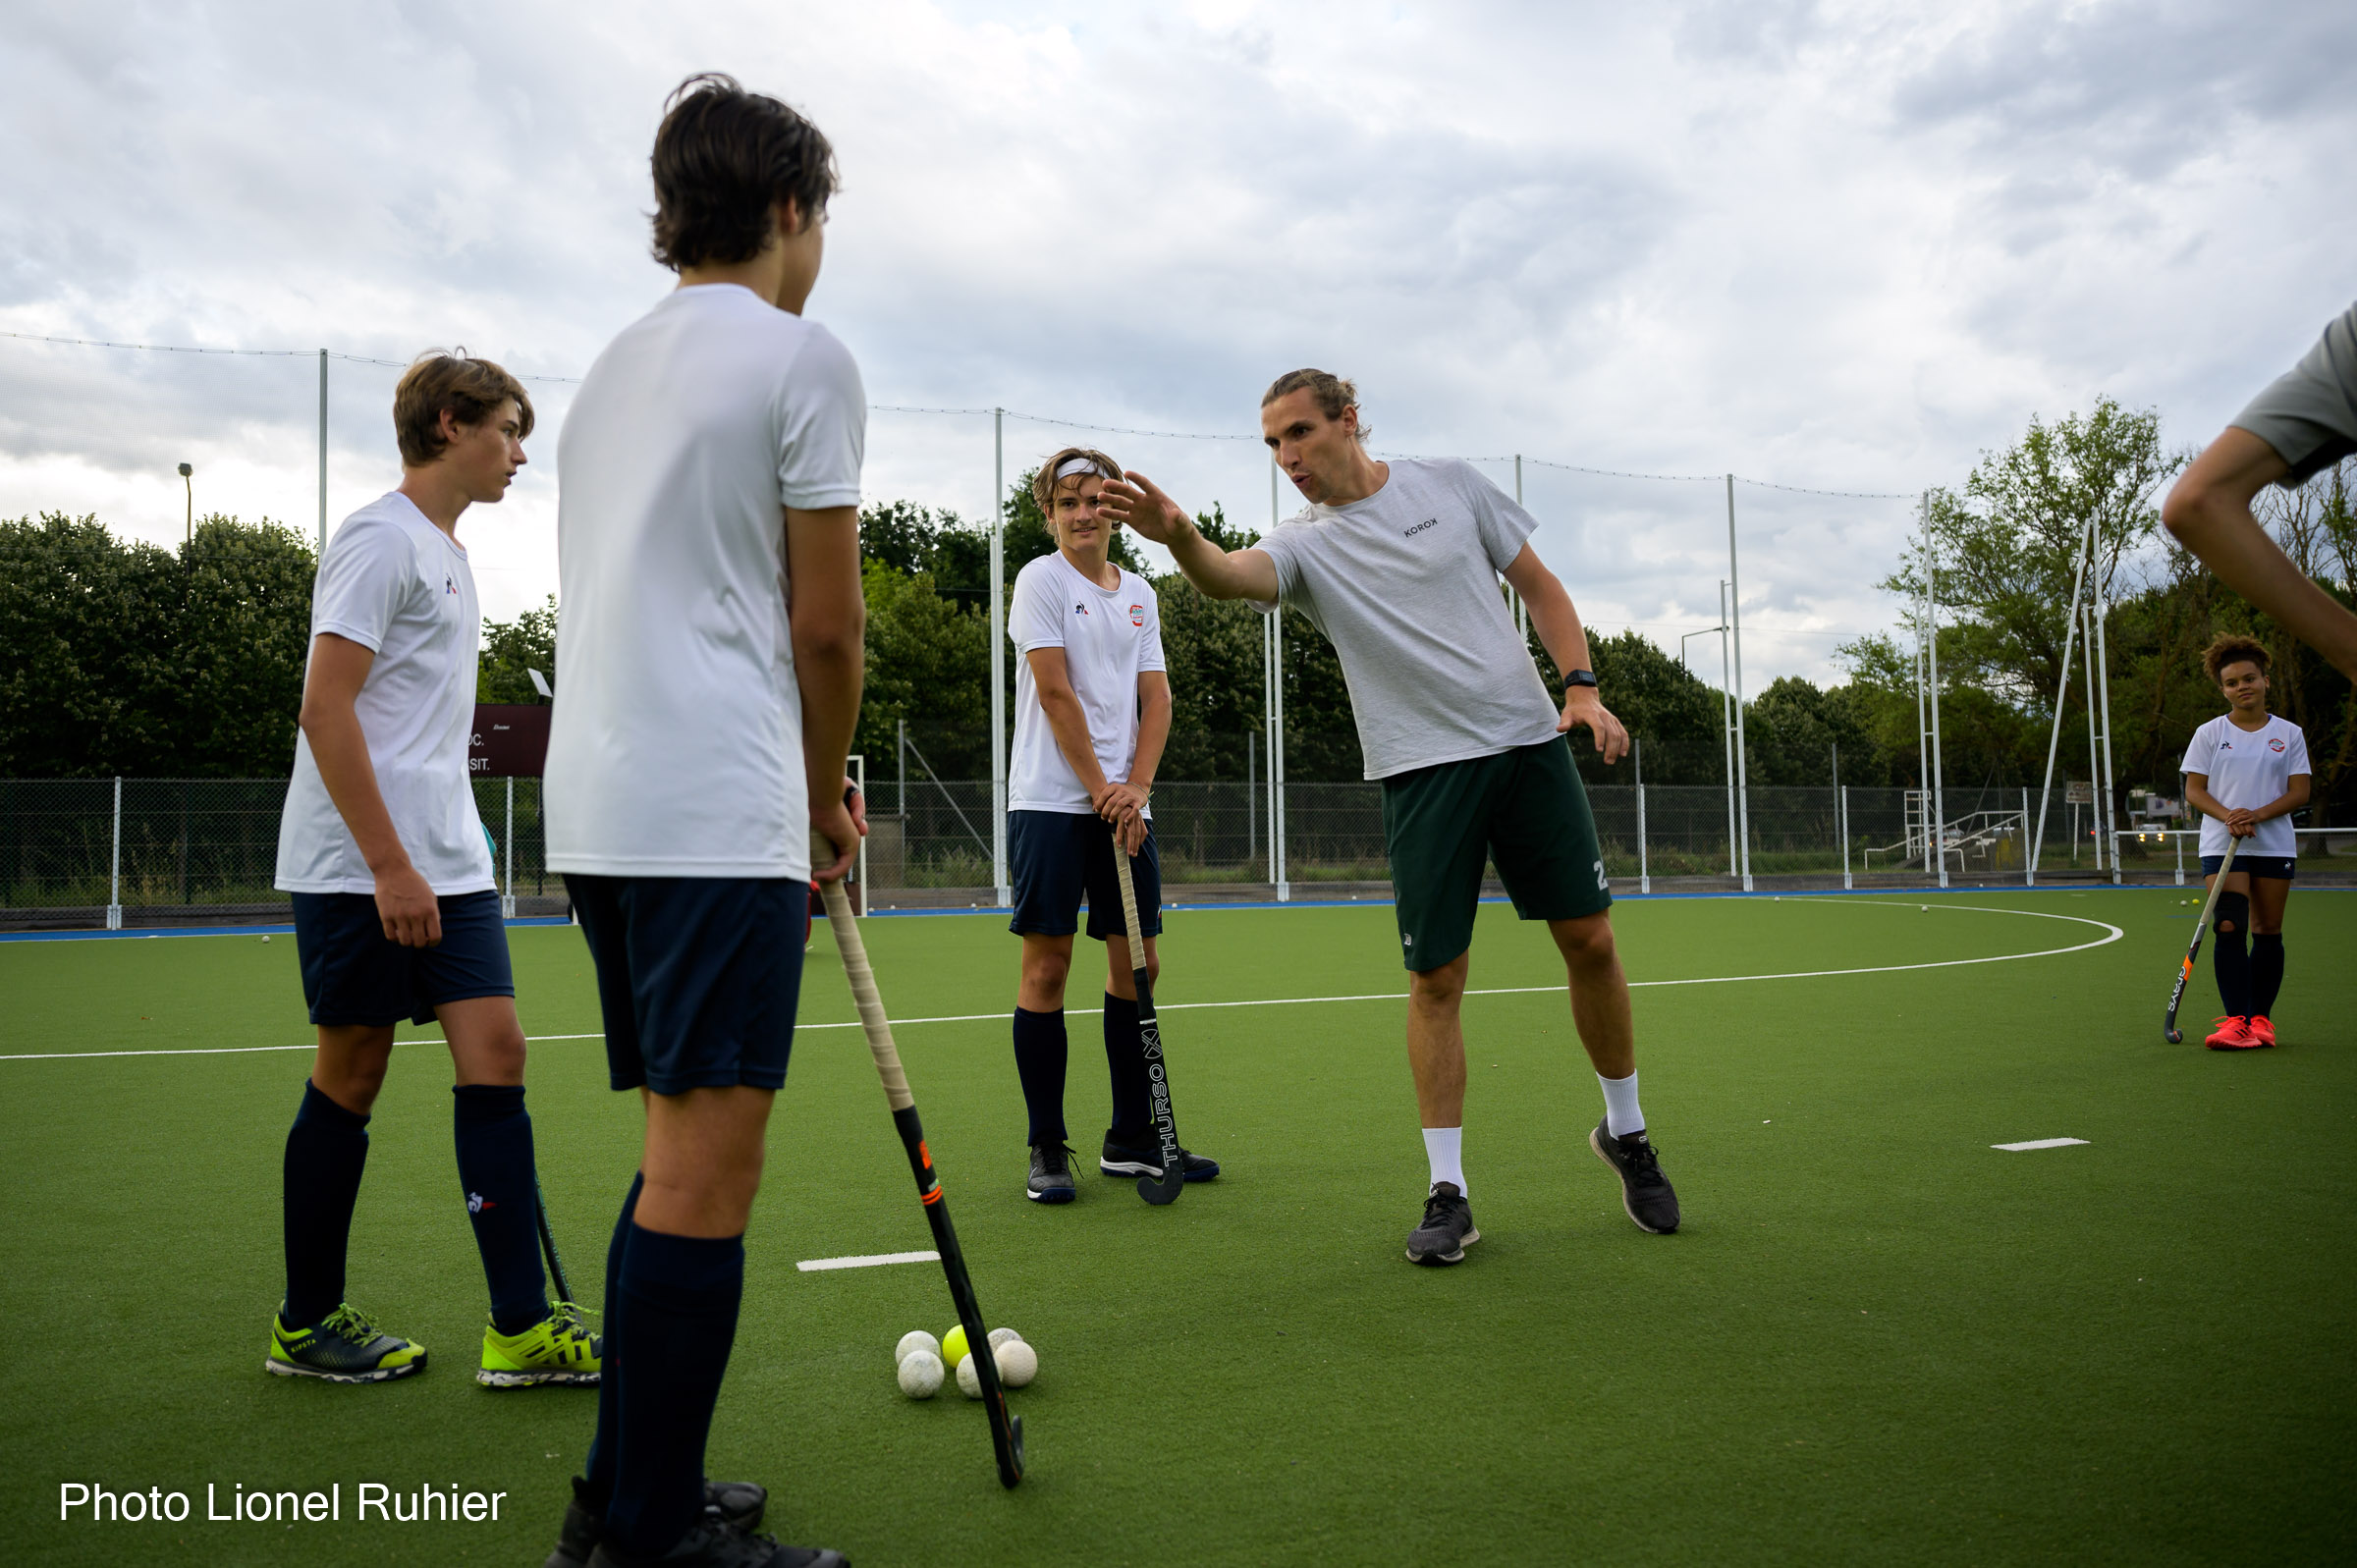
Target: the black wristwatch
pixel 1579 677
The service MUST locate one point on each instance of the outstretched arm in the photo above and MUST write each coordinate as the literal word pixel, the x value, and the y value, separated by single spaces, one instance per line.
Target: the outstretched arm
pixel 1566 643
pixel 1219 573
pixel 2209 513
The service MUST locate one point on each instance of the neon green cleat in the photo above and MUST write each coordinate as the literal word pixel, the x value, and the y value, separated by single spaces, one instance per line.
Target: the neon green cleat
pixel 558 1349
pixel 345 1346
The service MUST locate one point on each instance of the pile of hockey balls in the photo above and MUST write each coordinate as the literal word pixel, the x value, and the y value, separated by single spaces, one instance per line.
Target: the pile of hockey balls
pixel 924 1362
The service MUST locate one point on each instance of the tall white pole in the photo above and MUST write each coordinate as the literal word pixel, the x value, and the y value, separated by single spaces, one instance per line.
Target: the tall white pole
pixel 1726 736
pixel 506 841
pixel 1276 867
pixel 2095 763
pixel 1923 738
pixel 2053 739
pixel 114 876
pixel 2103 686
pixel 1843 791
pixel 2028 871
pixel 1001 890
pixel 1735 605
pixel 1644 866
pixel 1521 610
pixel 1930 642
pixel 323 452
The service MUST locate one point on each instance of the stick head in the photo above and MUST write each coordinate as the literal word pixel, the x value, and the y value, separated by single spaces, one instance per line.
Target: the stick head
pixel 2176 1037
pixel 1163 1190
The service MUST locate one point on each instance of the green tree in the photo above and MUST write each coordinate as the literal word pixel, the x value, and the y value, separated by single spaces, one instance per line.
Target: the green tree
pixel 86 628
pixel 243 638
pixel 929 663
pixel 510 650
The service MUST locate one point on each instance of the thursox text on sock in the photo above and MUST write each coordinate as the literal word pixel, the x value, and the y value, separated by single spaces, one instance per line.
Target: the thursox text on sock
pixel 372 1501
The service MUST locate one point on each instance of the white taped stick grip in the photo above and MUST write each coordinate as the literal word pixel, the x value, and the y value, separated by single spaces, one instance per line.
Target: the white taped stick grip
pixel 872 1021
pixel 1120 863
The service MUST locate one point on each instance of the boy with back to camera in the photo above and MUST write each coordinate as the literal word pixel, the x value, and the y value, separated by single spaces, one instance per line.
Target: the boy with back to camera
pixel 396 905
pixel 709 678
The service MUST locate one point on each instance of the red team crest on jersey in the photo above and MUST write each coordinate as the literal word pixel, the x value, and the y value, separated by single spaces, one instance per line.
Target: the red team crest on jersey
pixel 1137 618
pixel 2276 744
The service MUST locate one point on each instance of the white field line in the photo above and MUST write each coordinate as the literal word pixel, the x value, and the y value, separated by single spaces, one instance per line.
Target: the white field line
pixel 811 1266
pixel 2037 1143
pixel 2111 934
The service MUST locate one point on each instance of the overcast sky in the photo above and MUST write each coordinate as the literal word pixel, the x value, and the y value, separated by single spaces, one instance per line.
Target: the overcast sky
pixel 1844 247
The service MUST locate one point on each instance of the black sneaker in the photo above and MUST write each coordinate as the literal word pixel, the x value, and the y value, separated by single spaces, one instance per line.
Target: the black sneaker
pixel 1447 1229
pixel 1120 1159
pixel 713 1545
pixel 1644 1191
pixel 736 1504
pixel 1051 1174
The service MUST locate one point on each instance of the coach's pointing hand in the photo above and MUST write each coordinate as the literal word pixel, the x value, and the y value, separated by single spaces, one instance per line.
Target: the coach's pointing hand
pixel 1137 501
pixel 1582 706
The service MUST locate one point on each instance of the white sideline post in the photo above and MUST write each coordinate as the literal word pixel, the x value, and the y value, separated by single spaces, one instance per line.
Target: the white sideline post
pixel 2029 872
pixel 2102 665
pixel 507 842
pixel 2094 765
pixel 1845 882
pixel 1001 891
pixel 858 764
pixel 1930 605
pixel 114 876
pixel 1734 584
pixel 2179 839
pixel 1726 735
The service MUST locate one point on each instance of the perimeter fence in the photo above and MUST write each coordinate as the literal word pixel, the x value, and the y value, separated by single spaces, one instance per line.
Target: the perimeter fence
pixel 164 853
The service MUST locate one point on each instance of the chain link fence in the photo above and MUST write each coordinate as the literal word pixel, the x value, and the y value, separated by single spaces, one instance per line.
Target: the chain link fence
pixel 161 852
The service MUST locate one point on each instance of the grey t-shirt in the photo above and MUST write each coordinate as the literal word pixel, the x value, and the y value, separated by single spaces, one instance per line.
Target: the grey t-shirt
pixel 1406 585
pixel 2309 414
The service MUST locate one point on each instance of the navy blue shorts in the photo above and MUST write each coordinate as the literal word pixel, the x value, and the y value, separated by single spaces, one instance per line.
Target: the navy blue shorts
pixel 1055 856
pixel 698 976
pixel 2278 868
pixel 353 973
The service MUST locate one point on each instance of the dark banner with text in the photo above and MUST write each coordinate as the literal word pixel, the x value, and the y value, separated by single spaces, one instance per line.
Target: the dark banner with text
pixel 511 740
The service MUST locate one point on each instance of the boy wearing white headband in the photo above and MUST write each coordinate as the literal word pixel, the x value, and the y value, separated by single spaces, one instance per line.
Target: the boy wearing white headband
pixel 1093 710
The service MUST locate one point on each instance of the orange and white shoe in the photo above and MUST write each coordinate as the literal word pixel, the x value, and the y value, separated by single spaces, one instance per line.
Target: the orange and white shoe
pixel 2262 1030
pixel 2234 1034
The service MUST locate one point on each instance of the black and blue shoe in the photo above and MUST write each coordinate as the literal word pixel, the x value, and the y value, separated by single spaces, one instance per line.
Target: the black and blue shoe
pixel 1051 1174
pixel 1121 1159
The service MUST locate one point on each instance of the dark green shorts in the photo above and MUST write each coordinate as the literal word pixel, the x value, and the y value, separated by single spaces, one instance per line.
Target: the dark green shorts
pixel 1523 809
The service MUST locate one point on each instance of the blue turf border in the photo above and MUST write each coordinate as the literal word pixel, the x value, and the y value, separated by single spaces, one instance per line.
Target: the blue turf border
pixel 213 931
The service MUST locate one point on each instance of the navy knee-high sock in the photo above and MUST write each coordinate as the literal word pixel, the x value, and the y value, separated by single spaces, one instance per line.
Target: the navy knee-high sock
pixel 494 1135
pixel 607 1443
pixel 1039 1062
pixel 681 1295
pixel 2267 973
pixel 2230 961
pixel 1125 1060
pixel 327 1149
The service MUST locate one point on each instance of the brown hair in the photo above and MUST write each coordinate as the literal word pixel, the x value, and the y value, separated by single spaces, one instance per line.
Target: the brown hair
pixel 1331 392
pixel 1043 483
pixel 2234 649
pixel 469 390
pixel 724 158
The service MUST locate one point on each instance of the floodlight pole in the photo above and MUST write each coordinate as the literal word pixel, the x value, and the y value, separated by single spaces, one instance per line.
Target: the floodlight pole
pixel 323 452
pixel 1931 609
pixel 2095 761
pixel 1734 597
pixel 1726 735
pixel 113 875
pixel 2103 686
pixel 1521 610
pixel 1000 891
pixel 507 842
pixel 2053 739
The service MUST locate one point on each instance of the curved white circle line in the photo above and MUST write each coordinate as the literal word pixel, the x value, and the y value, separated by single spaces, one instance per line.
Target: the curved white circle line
pixel 2112 934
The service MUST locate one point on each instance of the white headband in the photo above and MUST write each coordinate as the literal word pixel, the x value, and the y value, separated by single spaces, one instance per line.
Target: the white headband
pixel 1072 465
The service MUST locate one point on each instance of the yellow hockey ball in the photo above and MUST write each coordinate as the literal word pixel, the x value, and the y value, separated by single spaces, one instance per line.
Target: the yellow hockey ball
pixel 953 1347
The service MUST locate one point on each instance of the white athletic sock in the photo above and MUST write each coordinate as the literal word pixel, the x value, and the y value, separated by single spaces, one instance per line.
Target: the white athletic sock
pixel 1620 1113
pixel 1445 1148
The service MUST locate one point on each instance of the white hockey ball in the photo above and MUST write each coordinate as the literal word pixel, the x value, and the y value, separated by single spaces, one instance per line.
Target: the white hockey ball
pixel 1018 1362
pixel 999 1336
pixel 913 1340
pixel 969 1377
pixel 921 1373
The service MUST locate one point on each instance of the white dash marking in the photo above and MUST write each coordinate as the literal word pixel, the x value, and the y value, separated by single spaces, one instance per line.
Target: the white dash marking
pixel 811 1266
pixel 2037 1143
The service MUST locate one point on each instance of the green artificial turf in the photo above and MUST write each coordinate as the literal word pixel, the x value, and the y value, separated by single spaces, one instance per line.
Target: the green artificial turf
pixel 1875 1340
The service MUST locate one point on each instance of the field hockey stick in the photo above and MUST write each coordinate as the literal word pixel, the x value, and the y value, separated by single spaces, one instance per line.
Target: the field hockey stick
pixel 1005 1432
pixel 1173 1181
pixel 548 1245
pixel 2201 924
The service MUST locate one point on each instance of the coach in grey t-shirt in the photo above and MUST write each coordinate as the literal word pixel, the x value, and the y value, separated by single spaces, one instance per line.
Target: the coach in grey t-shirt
pixel 1399 565
pixel 2303 423
pixel 1405 584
